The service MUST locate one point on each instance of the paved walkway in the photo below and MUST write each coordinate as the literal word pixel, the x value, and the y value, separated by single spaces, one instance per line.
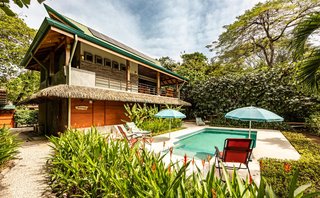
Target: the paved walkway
pixel 27 178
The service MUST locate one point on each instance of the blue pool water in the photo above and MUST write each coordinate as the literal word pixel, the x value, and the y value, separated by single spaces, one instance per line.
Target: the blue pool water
pixel 200 144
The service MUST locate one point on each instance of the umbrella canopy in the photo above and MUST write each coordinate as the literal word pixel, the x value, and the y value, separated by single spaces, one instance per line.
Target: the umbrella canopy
pixel 170 113
pixel 253 114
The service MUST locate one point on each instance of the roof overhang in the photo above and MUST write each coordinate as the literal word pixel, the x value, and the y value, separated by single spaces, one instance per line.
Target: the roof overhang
pixel 80 92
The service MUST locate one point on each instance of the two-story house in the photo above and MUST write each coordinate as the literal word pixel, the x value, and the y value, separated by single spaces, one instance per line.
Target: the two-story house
pixel 87 77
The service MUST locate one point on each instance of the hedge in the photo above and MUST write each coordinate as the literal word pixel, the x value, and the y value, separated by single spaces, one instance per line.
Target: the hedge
pixel 23 117
pixel 271 89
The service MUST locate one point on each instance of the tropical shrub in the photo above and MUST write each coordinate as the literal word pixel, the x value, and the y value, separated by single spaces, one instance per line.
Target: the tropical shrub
pixel 24 117
pixel 144 118
pixel 87 165
pixel 271 89
pixel 279 172
pixel 8 145
pixel 313 123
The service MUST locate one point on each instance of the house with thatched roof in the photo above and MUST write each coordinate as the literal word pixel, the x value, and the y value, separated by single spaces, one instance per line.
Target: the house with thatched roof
pixel 87 77
pixel 6 110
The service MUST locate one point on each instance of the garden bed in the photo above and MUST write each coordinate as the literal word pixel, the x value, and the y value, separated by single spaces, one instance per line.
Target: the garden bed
pixel 278 173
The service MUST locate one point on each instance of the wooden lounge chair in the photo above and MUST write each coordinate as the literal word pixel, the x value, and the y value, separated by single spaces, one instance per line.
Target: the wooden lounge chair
pixel 134 129
pixel 236 150
pixel 131 138
pixel 199 121
pixel 128 133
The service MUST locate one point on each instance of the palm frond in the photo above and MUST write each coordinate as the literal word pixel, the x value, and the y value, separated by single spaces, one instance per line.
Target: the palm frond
pixel 309 71
pixel 302 32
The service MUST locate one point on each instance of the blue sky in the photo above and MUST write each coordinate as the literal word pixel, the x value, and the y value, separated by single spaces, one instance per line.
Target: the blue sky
pixel 155 27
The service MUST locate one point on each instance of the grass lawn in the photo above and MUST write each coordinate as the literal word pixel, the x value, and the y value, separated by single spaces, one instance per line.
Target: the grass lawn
pixel 279 172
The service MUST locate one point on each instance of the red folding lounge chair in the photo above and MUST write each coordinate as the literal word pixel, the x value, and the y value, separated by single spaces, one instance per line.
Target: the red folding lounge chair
pixel 236 150
pixel 132 140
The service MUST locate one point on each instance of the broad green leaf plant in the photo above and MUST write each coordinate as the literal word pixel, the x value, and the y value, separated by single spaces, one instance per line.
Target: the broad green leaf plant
pixel 88 165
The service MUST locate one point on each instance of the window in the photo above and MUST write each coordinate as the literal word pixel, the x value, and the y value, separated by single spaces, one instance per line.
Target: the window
pixel 123 67
pixel 88 56
pixel 107 62
pixel 115 65
pixel 98 60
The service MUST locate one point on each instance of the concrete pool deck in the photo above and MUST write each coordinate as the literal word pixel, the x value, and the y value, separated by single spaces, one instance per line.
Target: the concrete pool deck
pixel 270 144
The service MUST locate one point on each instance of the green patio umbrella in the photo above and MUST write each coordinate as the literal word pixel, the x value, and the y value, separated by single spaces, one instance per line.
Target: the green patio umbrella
pixel 253 114
pixel 170 113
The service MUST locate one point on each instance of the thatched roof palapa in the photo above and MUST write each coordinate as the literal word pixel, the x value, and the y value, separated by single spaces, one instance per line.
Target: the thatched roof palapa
pixel 80 92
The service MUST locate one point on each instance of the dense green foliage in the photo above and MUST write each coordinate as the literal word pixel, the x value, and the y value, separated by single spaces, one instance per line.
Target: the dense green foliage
pixel 168 63
pixel 267 89
pixel 87 165
pixel 23 86
pixel 220 121
pixel 194 66
pixel 15 38
pixel 8 145
pixel 23 117
pixel 143 117
pixel 313 123
pixel 279 172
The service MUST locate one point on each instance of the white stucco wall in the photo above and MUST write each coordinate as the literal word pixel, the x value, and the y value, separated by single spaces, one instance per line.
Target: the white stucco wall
pixel 83 78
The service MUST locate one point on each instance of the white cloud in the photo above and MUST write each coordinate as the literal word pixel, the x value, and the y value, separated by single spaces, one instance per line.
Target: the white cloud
pixel 157 28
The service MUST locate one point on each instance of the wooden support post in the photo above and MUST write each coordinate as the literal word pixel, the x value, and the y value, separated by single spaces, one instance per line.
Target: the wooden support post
pixel 67 59
pixel 178 90
pixel 69 113
pixel 51 63
pixel 158 83
pixel 128 80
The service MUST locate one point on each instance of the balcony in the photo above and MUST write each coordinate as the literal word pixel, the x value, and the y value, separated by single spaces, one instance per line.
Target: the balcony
pixel 150 89
pixel 147 89
pixel 90 79
pixel 110 83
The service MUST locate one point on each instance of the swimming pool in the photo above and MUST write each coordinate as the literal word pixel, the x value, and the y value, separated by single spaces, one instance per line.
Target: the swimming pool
pixel 201 143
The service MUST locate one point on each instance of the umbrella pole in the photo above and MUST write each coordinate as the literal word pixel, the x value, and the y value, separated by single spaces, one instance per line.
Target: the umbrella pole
pixel 249 129
pixel 169 127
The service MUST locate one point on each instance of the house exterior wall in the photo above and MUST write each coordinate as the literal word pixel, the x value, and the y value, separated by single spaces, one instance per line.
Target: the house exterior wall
pixel 7 118
pixel 87 113
pixel 103 54
pixel 53 116
pixel 107 74
pixel 83 78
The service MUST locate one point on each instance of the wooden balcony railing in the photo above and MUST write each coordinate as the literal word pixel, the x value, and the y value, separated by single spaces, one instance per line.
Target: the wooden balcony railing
pixel 168 92
pixel 147 89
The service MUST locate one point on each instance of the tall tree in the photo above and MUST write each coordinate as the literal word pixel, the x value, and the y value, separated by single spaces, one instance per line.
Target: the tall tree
pixel 261 35
pixel 194 66
pixel 168 63
pixel 15 38
pixel 21 3
pixel 20 88
pixel 309 67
